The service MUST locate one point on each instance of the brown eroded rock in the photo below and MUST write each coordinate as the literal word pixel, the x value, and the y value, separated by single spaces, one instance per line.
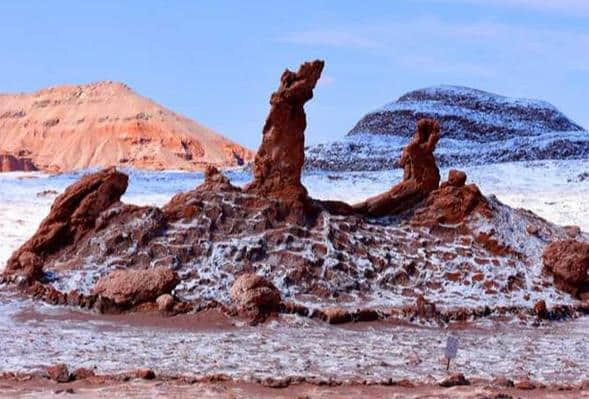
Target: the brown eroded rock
pixel 540 309
pixel 82 373
pixel 572 231
pixel 255 297
pixel 280 158
pixel 502 381
pixel 72 216
pixel 216 181
pixel 456 178
pixel 451 205
pixel 453 380
pixel 103 124
pixel 165 302
pixel 335 315
pixel 424 308
pixel 532 229
pixel 135 286
pixel 59 373
pixel 12 163
pixel 145 374
pixel 420 174
pixel 526 384
pixel 568 261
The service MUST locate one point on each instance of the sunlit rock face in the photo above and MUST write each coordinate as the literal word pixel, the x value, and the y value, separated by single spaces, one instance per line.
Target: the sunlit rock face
pixel 102 124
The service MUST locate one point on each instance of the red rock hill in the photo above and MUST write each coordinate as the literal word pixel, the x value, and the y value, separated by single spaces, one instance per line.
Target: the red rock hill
pixel 107 124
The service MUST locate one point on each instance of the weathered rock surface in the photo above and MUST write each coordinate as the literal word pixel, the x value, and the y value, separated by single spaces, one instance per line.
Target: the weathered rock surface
pixel 165 302
pixel 279 160
pixel 466 253
pixel 59 373
pixel 456 178
pixel 132 287
pixel 453 380
pixel 12 163
pixel 145 374
pixel 82 373
pixel 451 205
pixel 106 124
pixel 477 128
pixel 568 261
pixel 421 175
pixel 72 216
pixel 255 296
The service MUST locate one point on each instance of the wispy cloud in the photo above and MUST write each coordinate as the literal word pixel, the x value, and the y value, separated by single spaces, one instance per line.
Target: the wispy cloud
pixel 327 37
pixel 478 48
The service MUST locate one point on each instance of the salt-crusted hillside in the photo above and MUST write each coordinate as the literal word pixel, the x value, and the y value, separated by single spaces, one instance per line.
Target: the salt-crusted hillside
pixel 103 124
pixel 477 127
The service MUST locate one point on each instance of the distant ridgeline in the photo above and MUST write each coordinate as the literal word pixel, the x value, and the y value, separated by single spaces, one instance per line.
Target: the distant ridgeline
pixel 477 128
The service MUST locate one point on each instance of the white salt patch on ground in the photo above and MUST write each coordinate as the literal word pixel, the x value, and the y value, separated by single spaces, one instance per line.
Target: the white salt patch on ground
pixel 291 347
pixel 541 186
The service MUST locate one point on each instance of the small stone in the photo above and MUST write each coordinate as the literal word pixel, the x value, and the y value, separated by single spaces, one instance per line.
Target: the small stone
pixel 134 286
pixel 456 178
pixel 453 380
pixel 145 374
pixel 424 308
pixel 525 384
pixel 568 262
pixel 165 302
pixel 532 229
pixel 540 309
pixel 503 382
pixel 82 373
pixel 337 315
pixel 255 297
pixel 572 231
pixel 59 373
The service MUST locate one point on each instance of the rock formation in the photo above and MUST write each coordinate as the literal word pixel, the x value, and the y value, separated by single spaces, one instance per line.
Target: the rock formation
pixel 242 250
pixel 420 174
pixel 132 287
pixel 456 178
pixel 11 163
pixel 106 124
pixel 255 297
pixel 72 216
pixel 568 261
pixel 59 373
pixel 452 203
pixel 279 161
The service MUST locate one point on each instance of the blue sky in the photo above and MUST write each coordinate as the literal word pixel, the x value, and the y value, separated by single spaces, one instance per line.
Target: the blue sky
pixel 218 61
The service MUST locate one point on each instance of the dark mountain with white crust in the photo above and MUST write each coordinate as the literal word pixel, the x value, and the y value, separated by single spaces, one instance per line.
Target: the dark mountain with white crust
pixel 477 127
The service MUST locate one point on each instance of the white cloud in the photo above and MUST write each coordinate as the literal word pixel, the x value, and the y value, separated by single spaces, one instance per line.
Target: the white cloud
pixel 478 48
